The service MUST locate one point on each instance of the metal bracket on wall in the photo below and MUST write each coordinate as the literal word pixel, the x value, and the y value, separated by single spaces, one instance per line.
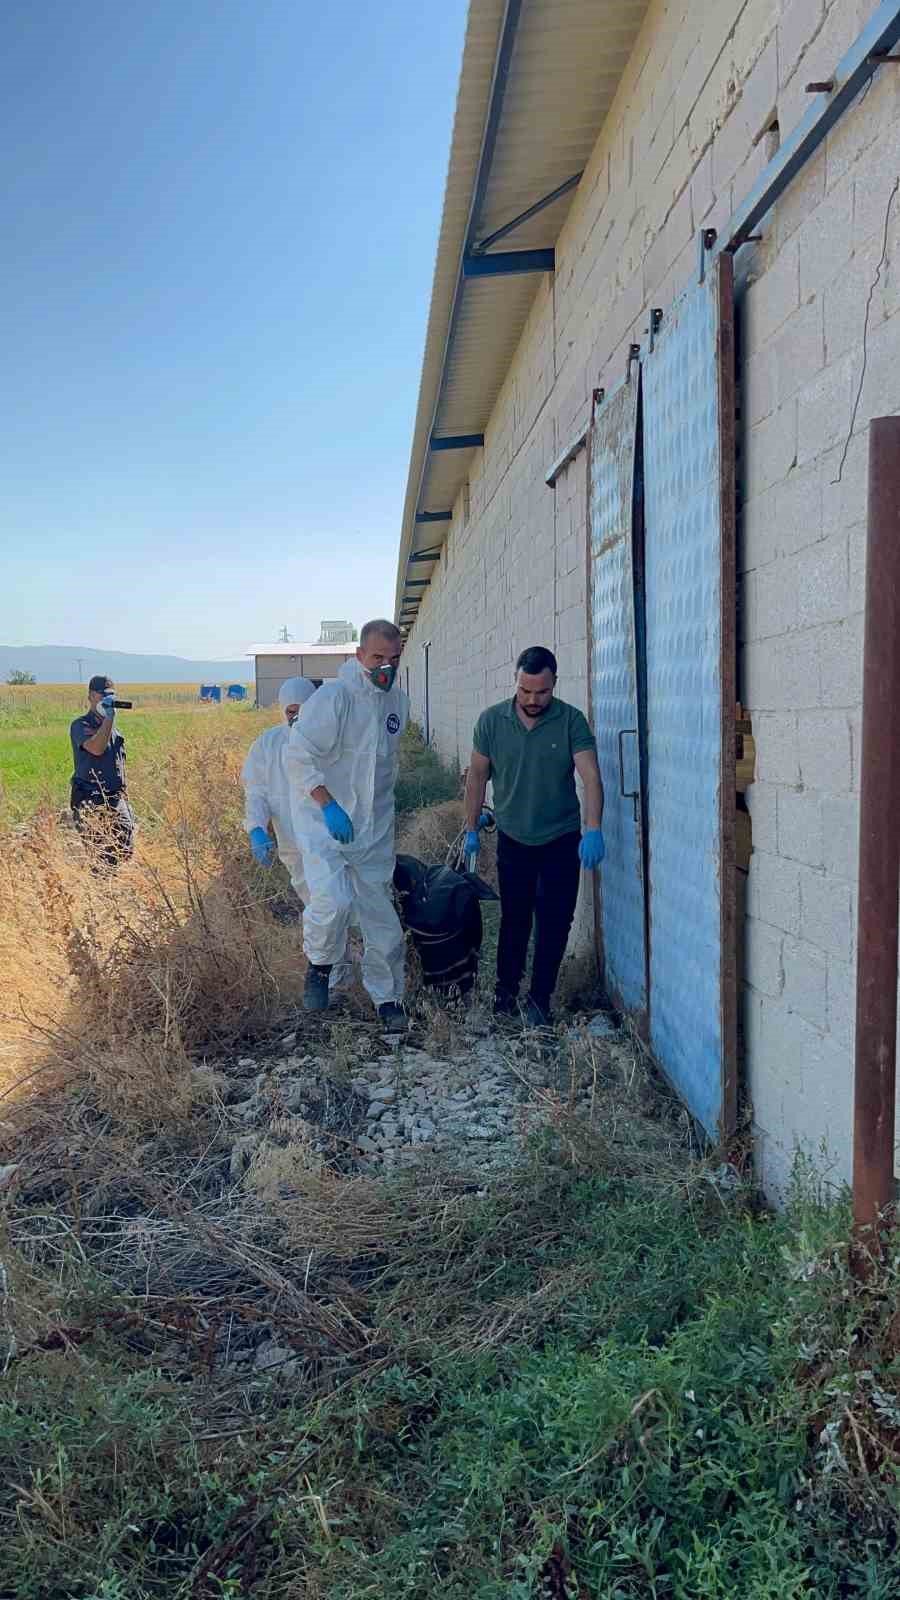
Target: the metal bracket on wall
pixel 656 318
pixel 706 240
pixel 634 354
pixel 571 451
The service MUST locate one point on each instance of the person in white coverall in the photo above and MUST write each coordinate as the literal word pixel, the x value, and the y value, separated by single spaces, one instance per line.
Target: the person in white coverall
pixel 266 793
pixel 342 761
pixel 267 799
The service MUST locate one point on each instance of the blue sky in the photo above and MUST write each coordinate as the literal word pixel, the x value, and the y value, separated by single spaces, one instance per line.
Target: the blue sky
pixel 219 221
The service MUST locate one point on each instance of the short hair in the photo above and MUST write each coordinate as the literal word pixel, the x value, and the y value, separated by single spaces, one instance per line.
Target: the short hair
pixel 99 684
pixel 535 660
pixel 380 628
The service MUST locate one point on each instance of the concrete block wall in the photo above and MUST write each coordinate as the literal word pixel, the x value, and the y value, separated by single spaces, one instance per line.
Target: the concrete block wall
pixel 690 130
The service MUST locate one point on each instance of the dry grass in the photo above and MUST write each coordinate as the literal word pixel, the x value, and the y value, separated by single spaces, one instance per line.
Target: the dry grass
pixel 145 1273
pixel 115 979
pixel 123 987
pixel 429 834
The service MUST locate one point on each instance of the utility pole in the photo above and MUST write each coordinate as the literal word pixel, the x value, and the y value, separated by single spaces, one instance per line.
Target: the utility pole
pixel 284 637
pixel 78 665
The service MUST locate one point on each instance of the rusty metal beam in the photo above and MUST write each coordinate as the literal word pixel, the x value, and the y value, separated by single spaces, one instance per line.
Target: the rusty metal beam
pixel 879 848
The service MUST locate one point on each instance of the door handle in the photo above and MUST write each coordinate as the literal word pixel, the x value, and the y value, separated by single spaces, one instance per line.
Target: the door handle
pixel 627 794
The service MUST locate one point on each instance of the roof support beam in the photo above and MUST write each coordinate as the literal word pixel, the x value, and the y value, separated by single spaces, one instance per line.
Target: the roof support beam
pixel 434 516
pixel 495 109
pixel 417 583
pixel 525 216
pixel 423 555
pixel 507 262
pixel 457 441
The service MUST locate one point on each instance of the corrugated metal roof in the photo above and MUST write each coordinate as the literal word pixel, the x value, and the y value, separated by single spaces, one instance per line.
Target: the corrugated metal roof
pixel 566 60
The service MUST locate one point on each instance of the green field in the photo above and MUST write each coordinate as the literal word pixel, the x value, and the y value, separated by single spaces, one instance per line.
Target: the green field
pixel 36 757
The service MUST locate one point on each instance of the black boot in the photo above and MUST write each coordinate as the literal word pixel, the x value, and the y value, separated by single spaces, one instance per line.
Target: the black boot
pixel 315 991
pixel 534 1014
pixel 505 1004
pixel 392 1017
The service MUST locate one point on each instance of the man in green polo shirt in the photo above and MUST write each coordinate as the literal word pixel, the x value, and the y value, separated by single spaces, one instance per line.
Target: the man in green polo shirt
pixel 530 747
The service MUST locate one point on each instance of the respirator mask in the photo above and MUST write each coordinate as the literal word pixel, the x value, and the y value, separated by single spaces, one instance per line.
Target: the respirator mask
pixel 382 677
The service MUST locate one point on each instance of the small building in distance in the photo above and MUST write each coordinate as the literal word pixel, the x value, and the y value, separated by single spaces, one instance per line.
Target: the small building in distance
pixel 274 662
pixel 337 633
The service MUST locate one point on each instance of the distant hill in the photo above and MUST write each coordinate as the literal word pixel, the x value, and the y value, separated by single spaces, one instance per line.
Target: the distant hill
pixel 58 663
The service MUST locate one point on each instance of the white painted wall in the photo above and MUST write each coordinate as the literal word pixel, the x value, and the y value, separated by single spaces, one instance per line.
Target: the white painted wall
pixel 682 146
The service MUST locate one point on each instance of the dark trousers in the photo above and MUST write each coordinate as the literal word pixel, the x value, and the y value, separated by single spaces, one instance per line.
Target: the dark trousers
pixel 539 887
pixel 106 823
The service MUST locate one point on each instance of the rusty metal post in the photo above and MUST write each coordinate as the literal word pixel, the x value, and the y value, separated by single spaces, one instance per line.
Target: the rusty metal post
pixel 879 846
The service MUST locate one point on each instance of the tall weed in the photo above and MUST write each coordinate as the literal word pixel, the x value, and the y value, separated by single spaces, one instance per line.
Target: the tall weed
pixel 117 976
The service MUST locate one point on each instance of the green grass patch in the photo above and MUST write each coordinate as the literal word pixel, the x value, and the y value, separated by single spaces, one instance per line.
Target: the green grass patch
pixel 583 1378
pixel 424 780
pixel 36 754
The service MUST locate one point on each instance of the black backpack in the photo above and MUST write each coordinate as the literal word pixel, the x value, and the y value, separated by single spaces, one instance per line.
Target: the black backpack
pixel 442 910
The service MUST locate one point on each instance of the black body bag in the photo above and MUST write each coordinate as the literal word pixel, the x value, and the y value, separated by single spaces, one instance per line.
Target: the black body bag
pixel 442 910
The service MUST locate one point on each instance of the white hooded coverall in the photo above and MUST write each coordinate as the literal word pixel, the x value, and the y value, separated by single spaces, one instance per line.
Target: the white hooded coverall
pixel 267 799
pixel 348 741
pixel 266 790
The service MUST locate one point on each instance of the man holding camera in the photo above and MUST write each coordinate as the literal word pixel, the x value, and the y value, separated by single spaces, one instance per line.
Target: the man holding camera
pixel 99 797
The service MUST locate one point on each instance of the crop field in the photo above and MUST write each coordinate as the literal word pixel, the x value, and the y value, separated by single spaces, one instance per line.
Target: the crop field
pixel 36 757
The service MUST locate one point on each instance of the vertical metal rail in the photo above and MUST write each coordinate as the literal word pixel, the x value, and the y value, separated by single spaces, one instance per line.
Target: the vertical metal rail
pixel 726 377
pixel 879 846
pixel 596 887
pixel 639 588
pixel 427 729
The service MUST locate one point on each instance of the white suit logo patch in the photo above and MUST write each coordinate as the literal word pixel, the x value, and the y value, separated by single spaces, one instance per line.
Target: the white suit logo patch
pixel 393 723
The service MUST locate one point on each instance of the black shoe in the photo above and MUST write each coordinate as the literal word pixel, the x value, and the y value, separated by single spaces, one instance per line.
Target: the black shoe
pixel 392 1017
pixel 505 1004
pixel 533 1014
pixel 315 990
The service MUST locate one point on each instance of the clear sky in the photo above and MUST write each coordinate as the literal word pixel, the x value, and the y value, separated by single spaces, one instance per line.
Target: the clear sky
pixel 219 227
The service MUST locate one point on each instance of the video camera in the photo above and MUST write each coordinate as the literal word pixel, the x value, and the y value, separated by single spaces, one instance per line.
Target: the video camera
pixel 122 705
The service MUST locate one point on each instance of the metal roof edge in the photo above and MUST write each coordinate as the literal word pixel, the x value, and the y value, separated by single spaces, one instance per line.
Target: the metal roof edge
pixel 484 29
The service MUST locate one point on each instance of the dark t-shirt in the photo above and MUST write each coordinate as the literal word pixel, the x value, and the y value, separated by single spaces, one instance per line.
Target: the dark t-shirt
pixel 533 770
pixel 96 777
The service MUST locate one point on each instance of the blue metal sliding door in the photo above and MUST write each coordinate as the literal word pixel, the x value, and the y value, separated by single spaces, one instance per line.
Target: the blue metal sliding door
pixel 688 441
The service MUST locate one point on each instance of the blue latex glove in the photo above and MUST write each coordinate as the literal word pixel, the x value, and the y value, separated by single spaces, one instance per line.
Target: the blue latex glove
pixel 106 707
pixel 591 849
pixel 262 846
pixel 484 819
pixel 338 823
pixel 472 844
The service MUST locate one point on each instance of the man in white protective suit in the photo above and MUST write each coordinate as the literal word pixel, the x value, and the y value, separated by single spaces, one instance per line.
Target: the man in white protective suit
pixel 342 760
pixel 267 799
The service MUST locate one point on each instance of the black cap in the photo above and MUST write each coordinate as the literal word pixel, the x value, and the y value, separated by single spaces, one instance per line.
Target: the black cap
pixel 100 684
